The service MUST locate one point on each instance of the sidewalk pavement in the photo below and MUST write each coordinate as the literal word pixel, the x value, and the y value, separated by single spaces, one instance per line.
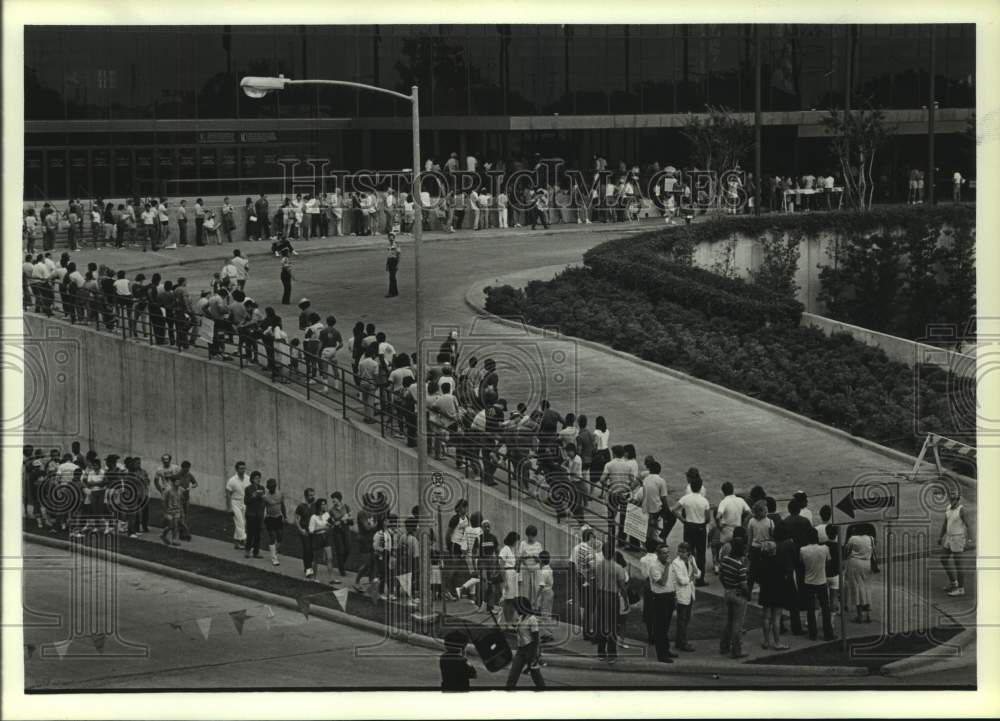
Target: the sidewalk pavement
pixel 567 639
pixel 734 437
pixel 130 259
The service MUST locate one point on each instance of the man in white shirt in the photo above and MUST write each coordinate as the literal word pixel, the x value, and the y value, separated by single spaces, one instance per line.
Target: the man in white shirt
pixel 242 266
pixel 617 477
pixel 473 198
pixel 235 490
pixel 733 511
pixel 814 557
pixel 502 209
pixel 471 164
pixel 646 565
pixel 583 557
pixel 696 513
pixel 663 596
pixel 956 187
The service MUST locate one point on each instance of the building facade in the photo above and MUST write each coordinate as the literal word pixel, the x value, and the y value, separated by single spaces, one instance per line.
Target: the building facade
pixel 111 111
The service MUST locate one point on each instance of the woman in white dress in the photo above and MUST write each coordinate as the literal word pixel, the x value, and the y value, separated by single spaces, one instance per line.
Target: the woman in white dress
pixel 859 549
pixel 508 570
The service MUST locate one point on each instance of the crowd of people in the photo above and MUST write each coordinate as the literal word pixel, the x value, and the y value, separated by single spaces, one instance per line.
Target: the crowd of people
pixel 792 563
pixel 569 467
pixel 490 195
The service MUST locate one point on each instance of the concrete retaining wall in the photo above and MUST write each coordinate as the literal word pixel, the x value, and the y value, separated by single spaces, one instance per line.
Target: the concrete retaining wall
pixel 134 399
pixel 815 251
pixel 898 349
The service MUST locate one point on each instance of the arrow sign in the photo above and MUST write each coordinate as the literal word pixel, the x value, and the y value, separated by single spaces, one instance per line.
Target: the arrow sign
pixel 872 502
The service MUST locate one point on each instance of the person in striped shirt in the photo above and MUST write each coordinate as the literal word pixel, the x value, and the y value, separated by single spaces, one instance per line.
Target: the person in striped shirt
pixel 733 574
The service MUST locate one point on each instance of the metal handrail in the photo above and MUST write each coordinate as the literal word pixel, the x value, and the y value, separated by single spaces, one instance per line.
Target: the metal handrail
pixel 488 455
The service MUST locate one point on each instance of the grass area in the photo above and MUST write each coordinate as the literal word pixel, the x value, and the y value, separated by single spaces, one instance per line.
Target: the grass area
pixel 872 652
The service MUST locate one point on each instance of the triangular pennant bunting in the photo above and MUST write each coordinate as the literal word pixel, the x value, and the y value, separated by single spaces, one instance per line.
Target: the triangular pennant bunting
pixel 341 597
pixel 29 650
pixel 176 626
pixel 304 607
pixel 404 581
pixel 204 625
pixel 268 612
pixel 62 647
pixel 98 639
pixel 239 618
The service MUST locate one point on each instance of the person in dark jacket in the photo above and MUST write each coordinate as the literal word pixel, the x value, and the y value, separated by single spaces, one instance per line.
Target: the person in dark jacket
pixel 253 499
pixel 455 667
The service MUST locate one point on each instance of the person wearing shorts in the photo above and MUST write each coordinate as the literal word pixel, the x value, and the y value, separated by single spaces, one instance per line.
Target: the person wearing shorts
pixel 274 518
pixel 955 538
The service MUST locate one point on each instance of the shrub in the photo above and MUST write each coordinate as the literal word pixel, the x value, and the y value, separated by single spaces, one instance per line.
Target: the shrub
pixel 834 379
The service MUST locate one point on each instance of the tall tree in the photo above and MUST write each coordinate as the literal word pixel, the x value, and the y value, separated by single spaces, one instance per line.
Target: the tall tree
pixel 857 137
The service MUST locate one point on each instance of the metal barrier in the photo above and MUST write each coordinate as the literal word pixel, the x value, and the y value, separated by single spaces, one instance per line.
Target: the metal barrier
pixel 501 458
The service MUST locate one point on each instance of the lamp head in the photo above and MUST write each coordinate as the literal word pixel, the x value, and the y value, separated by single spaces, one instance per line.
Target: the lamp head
pixel 256 87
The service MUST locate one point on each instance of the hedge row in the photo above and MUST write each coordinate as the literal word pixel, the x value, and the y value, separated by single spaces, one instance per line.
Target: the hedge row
pixel 833 379
pixel 696 288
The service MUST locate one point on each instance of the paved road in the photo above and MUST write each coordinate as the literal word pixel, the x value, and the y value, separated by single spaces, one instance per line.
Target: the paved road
pixel 286 652
pixel 682 424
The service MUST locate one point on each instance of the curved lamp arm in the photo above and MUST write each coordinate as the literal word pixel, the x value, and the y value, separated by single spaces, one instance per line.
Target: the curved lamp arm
pixel 258 87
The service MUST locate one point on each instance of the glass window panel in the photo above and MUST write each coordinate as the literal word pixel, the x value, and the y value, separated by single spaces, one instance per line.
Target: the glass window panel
pixel 292 52
pixel 624 72
pixel 371 50
pixel 188 73
pixel 588 74
pixel 122 170
pixel 525 71
pixel 145 170
pixel 56 185
pixel 485 77
pixel 214 80
pixel 101 172
pixel 779 75
pixel 208 170
pixel 126 74
pixel 43 75
pixel 550 75
pixel 334 56
pixel 726 56
pixel 85 62
pixel 959 53
pixel 692 73
pixel 656 61
pixel 253 54
pixel 449 76
pixel 34 174
pixel 187 172
pixel 79 173
pixel 166 167
pixel 815 67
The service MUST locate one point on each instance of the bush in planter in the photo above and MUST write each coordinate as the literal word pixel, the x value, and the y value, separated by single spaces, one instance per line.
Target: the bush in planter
pixel 833 379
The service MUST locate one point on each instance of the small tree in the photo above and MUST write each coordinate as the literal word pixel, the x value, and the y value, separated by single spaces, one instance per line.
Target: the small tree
pixel 779 264
pixel 719 141
pixel 857 138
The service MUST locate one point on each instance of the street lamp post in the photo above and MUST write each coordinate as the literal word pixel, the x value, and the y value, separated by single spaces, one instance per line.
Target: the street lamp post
pixel 258 87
